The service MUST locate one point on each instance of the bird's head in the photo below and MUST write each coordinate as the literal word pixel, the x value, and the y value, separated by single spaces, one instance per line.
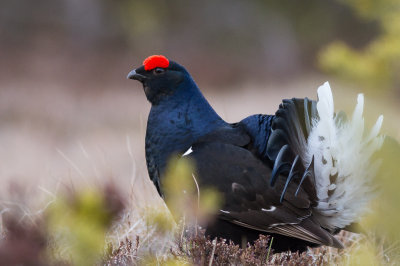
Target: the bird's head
pixel 160 77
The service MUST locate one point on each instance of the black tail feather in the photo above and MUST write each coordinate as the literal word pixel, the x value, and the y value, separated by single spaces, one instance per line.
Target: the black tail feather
pixel 282 163
pixel 288 142
pixel 292 174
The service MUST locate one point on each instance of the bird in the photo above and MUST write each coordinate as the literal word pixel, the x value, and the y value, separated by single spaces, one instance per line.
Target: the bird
pixel 300 175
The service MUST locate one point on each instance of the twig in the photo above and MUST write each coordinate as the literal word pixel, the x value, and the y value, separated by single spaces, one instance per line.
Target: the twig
pixel 72 164
pixel 198 201
pixel 213 251
pixel 269 249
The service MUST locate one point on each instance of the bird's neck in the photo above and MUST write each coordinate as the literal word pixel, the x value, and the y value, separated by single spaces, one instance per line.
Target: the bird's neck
pixel 174 125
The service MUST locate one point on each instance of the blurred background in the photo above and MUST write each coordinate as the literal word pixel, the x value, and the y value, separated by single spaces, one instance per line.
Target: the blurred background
pixel 69 116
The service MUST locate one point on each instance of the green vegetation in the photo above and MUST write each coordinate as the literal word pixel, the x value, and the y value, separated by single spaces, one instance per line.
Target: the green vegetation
pixel 72 231
pixel 79 224
pixel 183 196
pixel 377 65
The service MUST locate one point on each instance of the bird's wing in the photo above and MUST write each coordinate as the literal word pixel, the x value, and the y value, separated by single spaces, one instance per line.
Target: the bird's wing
pixel 258 213
pixel 305 230
pixel 250 201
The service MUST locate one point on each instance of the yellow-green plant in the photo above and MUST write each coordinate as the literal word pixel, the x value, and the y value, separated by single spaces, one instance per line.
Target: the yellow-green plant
pixel 381 225
pixel 183 194
pixel 378 64
pixel 78 225
pixel 385 219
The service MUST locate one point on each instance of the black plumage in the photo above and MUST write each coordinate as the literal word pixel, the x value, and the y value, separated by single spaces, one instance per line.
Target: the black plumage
pixel 256 164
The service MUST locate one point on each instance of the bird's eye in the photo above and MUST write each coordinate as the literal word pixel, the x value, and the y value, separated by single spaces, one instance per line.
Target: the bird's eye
pixel 158 70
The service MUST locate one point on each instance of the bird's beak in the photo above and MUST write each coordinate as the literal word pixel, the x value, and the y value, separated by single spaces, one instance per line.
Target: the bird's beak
pixel 136 76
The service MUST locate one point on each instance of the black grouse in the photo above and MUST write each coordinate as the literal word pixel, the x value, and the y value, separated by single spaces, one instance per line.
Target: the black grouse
pixel 300 175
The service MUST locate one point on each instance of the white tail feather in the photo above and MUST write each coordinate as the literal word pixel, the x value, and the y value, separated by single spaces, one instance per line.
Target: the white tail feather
pixel 342 153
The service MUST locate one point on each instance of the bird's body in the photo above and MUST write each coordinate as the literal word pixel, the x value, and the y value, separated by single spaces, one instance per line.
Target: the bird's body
pixel 279 174
pixel 175 124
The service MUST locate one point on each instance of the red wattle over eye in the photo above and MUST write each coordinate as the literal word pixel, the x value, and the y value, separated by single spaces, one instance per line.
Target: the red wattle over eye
pixel 154 61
